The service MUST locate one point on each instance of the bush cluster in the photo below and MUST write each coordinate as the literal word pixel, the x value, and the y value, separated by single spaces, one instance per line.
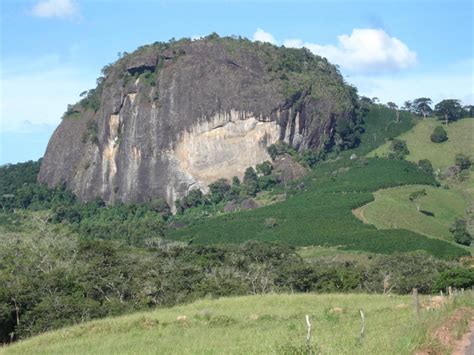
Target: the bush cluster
pixel 222 191
pixel 398 149
pixel 63 280
pixel 439 135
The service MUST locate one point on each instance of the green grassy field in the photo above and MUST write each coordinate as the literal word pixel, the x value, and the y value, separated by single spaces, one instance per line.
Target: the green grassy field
pixel 322 213
pixel 271 324
pixel 393 209
pixel 441 155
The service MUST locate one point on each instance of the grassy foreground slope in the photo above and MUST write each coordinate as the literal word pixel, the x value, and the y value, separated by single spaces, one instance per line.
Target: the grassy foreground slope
pixel 270 324
pixel 441 155
pixel 393 209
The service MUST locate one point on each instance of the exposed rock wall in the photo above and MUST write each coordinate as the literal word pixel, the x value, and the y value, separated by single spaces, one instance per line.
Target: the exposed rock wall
pixel 176 119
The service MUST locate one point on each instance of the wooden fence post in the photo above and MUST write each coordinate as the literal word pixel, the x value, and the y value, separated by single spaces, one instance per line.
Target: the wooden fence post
pixel 362 318
pixel 416 303
pixel 450 292
pixel 308 336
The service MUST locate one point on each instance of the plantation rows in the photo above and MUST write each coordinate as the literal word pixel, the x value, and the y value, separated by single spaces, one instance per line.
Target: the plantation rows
pixel 322 213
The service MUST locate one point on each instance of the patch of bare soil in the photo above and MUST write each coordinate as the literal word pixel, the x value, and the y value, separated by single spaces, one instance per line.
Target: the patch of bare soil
pixel 358 212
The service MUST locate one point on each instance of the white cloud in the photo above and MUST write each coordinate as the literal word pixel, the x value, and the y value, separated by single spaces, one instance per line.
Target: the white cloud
pixel 55 8
pixel 262 36
pixel 365 50
pixel 293 43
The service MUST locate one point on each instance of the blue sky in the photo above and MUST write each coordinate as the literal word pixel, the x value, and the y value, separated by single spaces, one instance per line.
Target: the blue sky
pixel 51 50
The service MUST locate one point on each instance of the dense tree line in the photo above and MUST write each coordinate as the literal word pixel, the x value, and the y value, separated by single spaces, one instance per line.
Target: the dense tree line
pixel 54 279
pixel 14 176
pixel 447 110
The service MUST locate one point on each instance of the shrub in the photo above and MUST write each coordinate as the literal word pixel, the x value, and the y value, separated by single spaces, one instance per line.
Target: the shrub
pixel 270 222
pixel 250 185
pixel 281 148
pixel 425 166
pixel 219 190
pixel 460 232
pixel 267 182
pixel 439 135
pixel 265 168
pixel 457 277
pixel 402 272
pixel 160 206
pixel 399 149
pixel 250 175
pixel 463 162
pixel 235 188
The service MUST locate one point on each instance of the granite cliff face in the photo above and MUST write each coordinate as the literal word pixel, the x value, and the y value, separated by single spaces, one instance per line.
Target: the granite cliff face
pixel 175 116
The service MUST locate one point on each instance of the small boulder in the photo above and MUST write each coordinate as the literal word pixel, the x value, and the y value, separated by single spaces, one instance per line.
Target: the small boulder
pixel 231 206
pixel 286 169
pixel 353 157
pixel 249 204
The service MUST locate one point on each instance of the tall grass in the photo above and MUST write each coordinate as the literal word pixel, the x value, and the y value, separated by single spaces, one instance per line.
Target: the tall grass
pixel 269 324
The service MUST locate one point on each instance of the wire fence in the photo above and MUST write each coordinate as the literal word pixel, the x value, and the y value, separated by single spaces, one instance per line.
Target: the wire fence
pixel 410 317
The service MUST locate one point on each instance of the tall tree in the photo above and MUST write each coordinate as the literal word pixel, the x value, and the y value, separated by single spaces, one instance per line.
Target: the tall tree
pixel 449 109
pixel 416 196
pixel 469 110
pixel 421 106
pixel 407 106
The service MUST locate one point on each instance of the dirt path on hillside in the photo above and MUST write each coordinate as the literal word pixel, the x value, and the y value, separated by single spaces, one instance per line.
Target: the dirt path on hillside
pixel 465 346
pixel 446 335
pixel 359 213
